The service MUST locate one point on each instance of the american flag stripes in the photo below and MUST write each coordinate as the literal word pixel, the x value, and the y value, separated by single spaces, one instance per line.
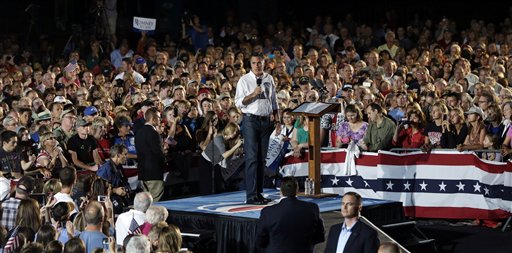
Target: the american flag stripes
pixel 442 184
pixel 134 228
pixel 13 242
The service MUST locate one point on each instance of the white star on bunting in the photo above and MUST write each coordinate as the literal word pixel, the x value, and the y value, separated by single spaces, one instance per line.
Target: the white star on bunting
pixel 477 187
pixel 423 186
pixel 442 186
pixel 461 186
pixel 486 191
pixel 335 181
pixel 390 185
pixel 349 181
pixel 407 186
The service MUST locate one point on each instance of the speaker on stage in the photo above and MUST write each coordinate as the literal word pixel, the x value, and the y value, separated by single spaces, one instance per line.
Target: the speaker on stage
pixel 410 236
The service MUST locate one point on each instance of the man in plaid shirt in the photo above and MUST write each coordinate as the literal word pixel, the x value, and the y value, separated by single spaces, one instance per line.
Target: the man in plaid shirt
pixel 23 189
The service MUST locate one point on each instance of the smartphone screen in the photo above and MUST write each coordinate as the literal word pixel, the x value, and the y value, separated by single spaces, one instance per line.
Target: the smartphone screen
pixel 102 198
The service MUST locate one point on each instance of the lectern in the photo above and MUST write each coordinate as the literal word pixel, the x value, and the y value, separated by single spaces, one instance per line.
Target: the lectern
pixel 314 111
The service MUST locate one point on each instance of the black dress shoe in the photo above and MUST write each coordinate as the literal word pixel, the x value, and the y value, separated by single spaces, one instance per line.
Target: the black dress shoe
pixel 256 202
pixel 260 197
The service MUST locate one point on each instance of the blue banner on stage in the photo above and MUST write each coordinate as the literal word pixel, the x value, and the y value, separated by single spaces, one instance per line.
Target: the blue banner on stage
pixel 233 204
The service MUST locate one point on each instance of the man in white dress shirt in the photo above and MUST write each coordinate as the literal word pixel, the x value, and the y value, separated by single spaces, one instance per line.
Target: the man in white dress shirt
pixel 256 98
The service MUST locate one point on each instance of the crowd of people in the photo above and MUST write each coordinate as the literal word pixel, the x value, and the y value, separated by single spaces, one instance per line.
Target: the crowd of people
pixel 99 110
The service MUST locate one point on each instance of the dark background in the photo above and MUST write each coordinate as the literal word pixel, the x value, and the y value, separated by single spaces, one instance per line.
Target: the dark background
pixel 29 18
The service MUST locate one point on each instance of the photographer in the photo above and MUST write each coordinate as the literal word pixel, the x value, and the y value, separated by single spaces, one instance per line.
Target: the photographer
pixel 409 133
pixel 112 172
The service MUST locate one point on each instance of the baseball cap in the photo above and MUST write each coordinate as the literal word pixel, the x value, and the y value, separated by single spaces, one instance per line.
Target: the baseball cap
pixel 192 81
pixel 476 110
pixel 82 122
pixel 347 87
pixel 90 110
pixel 177 87
pixel 59 86
pixel 283 94
pixel 60 99
pixel 44 115
pixel 63 113
pixel 223 96
pixel 140 60
pixel 26 184
pixel 203 90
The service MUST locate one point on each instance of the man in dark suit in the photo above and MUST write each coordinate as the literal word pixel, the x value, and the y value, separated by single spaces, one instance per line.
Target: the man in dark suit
pixel 352 235
pixel 150 155
pixel 291 225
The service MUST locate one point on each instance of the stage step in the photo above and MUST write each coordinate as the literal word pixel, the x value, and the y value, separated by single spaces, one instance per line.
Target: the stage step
pixel 410 236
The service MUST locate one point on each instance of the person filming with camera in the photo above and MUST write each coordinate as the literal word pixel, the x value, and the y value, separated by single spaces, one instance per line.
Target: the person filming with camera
pixel 409 133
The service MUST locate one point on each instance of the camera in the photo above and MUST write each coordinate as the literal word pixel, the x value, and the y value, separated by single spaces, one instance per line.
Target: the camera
pixel 404 121
pixel 102 198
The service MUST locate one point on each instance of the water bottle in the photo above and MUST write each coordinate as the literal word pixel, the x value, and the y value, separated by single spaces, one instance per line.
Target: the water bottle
pixel 312 187
pixel 307 186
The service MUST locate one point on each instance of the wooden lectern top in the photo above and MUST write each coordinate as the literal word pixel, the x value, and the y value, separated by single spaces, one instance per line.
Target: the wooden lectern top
pixel 316 109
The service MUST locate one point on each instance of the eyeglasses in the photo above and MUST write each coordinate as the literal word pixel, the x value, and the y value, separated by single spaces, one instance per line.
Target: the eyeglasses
pixel 80 95
pixel 482 102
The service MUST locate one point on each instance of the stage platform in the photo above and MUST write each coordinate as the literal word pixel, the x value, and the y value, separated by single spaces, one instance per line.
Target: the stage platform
pixel 234 223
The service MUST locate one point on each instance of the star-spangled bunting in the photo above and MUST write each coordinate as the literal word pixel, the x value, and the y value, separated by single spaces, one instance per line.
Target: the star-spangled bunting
pixel 423 185
pixel 421 188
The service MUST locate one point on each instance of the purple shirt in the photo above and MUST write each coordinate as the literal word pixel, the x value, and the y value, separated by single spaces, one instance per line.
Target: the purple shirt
pixel 346 134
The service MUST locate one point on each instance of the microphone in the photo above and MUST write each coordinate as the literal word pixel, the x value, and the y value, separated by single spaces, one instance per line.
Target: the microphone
pixel 258 82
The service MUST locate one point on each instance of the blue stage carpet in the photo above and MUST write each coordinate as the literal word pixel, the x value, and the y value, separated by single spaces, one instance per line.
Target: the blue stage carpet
pixel 233 204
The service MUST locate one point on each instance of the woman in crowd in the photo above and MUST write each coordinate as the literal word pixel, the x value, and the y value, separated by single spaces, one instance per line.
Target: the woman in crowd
pixel 51 154
pixel 476 130
pixel 169 240
pixel 455 129
pixel 300 136
pixel 353 129
pixel 154 215
pixel 434 129
pixel 409 133
pixel 28 214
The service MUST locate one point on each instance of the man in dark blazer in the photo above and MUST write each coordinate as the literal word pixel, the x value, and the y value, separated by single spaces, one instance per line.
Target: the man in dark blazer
pixel 150 155
pixel 352 236
pixel 291 225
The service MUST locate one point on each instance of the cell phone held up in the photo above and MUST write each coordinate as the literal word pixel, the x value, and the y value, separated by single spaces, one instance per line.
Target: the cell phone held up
pixel 102 198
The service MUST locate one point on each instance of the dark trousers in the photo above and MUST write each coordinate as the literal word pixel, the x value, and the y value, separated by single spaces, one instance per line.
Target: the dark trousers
pixel 256 132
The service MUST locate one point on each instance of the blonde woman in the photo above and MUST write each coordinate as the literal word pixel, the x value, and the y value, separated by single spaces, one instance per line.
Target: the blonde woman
pixel 51 156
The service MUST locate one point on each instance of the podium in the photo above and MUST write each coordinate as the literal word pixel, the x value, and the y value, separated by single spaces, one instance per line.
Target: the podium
pixel 314 111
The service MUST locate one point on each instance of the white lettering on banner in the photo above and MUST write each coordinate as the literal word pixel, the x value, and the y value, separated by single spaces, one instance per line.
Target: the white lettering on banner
pixel 145 24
